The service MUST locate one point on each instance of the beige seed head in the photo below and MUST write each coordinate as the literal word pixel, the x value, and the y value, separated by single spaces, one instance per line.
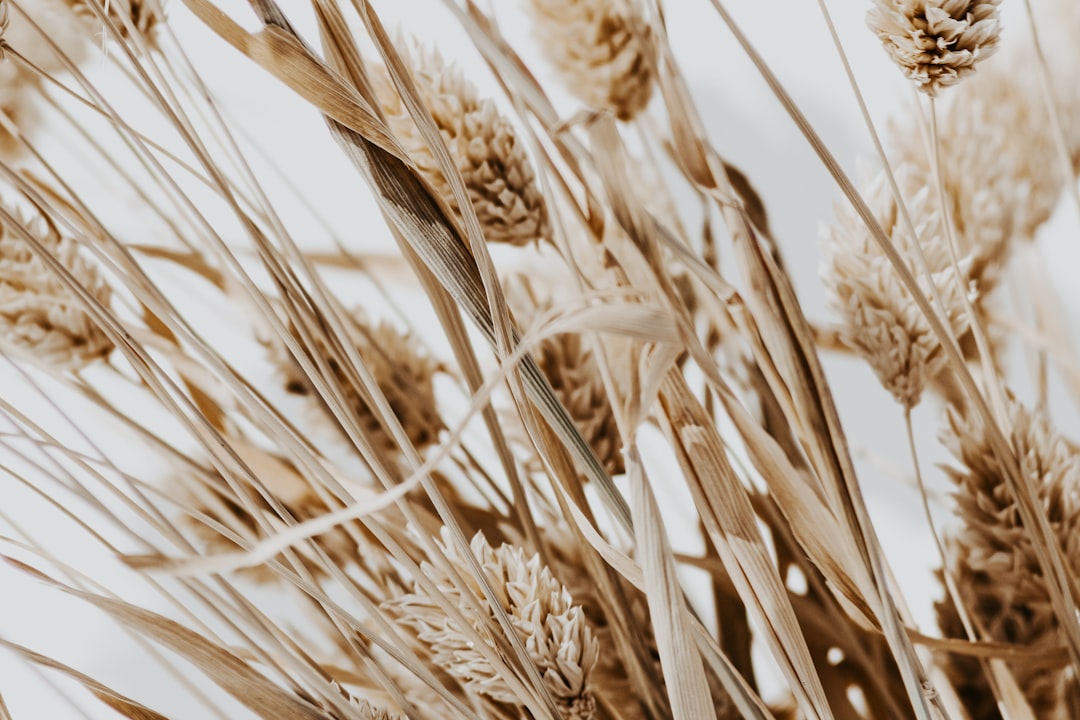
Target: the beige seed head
pixel 302 504
pixel 482 142
pixel 936 42
pixel 604 51
pixel 992 556
pixel 879 317
pixel 574 375
pixel 403 371
pixel 998 165
pixel 38 311
pixel 552 629
pixel 142 15
pixel 21 88
pixel 368 711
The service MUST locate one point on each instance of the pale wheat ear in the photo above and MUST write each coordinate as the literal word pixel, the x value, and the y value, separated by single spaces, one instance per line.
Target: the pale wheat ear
pixel 879 318
pixel 603 50
pixel 122 18
pixel 992 557
pixel 401 368
pixel 39 313
pixel 540 609
pixel 569 364
pixel 483 143
pixel 936 42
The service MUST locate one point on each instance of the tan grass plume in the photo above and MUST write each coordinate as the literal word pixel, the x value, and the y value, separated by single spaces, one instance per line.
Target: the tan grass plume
pixel 880 318
pixel 936 42
pixel 483 143
pixel 551 627
pixel 992 558
pixel 403 371
pixel 603 50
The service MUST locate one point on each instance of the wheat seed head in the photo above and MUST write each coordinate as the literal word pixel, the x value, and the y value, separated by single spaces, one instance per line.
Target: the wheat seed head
pixel 483 143
pixel 998 166
pixel 38 311
pixel 551 627
pixel 574 374
pixel 991 556
pixel 143 16
pixel 603 50
pixel 879 317
pixel 936 42
pixel 403 371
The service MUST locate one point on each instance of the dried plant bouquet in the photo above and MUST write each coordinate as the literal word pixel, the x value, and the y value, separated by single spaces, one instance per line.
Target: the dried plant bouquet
pixel 565 446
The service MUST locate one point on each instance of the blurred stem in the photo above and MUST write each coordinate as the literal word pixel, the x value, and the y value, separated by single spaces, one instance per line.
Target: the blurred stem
pixel 990 375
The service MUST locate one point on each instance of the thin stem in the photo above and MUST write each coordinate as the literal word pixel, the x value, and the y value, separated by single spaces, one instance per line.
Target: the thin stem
pixel 981 343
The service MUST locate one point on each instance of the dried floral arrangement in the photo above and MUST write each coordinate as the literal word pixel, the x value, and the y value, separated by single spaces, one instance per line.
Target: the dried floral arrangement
pixel 464 517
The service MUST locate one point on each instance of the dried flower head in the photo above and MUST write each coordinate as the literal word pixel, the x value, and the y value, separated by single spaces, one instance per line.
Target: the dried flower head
pixel 403 371
pixel 142 16
pixel 880 318
pixel 603 49
pixel 39 312
pixel 21 88
pixel 552 629
pixel 301 503
pixel 992 557
pixel 998 165
pixel 574 375
pixel 483 143
pixel 936 42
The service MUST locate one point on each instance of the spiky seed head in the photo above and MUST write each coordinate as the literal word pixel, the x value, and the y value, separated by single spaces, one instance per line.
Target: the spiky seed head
pixel 483 143
pixel 604 51
pixel 936 42
pixel 403 371
pixel 39 312
pixel 574 374
pixel 551 627
pixel 879 316
pixel 143 16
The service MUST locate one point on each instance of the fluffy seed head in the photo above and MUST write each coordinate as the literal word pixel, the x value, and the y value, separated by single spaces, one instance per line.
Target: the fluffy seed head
pixel 483 143
pixel 298 499
pixel 992 557
pixel 998 164
pixel 552 629
pixel 574 374
pixel 603 50
pixel 38 311
pixel 879 317
pixel 403 372
pixel 936 42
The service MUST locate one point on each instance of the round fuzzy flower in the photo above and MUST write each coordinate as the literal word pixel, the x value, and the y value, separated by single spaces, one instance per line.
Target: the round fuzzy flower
pixel 551 627
pixel 879 317
pixel 993 560
pixel 482 142
pixel 936 42
pixel 39 312
pixel 404 373
pixel 603 50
